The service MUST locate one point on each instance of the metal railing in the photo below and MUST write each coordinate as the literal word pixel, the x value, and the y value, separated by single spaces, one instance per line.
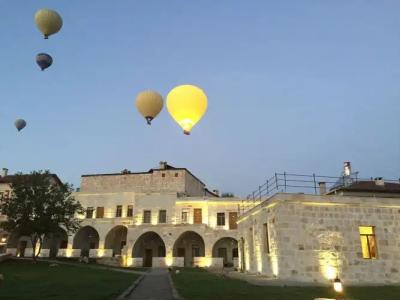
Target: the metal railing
pixel 299 183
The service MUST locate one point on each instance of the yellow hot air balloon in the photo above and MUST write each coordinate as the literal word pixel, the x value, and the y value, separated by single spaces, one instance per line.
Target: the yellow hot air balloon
pixel 149 104
pixel 48 21
pixel 187 105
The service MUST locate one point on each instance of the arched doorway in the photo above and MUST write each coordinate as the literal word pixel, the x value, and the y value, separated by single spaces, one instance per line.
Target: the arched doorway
pixel 226 248
pixel 147 246
pixel 19 242
pixel 55 241
pixel 189 245
pixel 85 239
pixel 116 239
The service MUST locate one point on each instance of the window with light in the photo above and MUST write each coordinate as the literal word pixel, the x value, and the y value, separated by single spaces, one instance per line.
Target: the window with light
pixel 368 242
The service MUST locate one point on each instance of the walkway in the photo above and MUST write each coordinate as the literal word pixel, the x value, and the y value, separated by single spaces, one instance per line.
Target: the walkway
pixel 154 286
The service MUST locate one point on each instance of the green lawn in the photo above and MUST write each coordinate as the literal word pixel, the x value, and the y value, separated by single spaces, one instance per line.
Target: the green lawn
pixel 197 284
pixel 25 280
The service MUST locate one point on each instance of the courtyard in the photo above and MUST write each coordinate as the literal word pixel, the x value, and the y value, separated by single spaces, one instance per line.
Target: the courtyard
pixel 25 280
pixel 198 284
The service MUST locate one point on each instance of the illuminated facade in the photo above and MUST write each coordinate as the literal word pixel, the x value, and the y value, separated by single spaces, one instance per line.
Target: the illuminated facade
pixel 350 232
pixel 163 217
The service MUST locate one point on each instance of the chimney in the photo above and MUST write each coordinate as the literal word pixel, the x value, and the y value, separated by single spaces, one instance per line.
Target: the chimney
pixel 322 187
pixel 4 172
pixel 379 181
pixel 163 165
pixel 346 168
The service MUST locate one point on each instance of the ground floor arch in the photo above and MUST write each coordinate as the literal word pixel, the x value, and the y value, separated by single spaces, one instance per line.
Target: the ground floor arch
pixel 227 249
pixel 19 242
pixel 85 239
pixel 189 245
pixel 55 241
pixel 147 246
pixel 116 239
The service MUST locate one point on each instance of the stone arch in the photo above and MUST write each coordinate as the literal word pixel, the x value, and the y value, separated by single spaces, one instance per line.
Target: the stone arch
pixel 19 242
pixel 85 239
pixel 55 241
pixel 12 240
pixel 226 248
pixel 148 245
pixel 190 244
pixel 116 239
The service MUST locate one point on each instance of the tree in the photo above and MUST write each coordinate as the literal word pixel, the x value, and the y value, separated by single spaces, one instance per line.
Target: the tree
pixel 227 195
pixel 38 206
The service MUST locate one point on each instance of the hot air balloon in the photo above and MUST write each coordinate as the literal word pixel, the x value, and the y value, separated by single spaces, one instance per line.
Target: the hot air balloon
pixel 149 104
pixel 187 105
pixel 44 60
pixel 20 124
pixel 48 21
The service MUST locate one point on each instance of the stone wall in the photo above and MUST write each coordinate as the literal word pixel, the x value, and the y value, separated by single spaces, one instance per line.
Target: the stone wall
pixel 313 238
pixel 135 182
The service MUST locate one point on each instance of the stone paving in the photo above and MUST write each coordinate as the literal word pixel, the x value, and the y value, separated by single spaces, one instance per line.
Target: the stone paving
pixel 154 286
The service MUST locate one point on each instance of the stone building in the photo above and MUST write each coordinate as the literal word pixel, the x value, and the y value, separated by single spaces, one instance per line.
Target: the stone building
pixel 163 217
pixel 351 232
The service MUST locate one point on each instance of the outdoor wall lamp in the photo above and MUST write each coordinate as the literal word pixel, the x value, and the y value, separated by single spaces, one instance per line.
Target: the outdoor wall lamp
pixel 337 285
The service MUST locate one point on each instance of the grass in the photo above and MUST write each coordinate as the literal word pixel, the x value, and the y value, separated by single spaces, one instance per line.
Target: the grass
pixel 26 280
pixel 92 261
pixel 198 284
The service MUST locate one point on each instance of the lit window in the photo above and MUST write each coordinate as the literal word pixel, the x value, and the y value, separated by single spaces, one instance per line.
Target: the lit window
pixel 368 241
pixel 220 219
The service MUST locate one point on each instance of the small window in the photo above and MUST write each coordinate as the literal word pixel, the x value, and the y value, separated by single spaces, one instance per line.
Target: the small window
pixel 100 212
pixel 118 213
pixel 163 175
pixel 176 174
pixel 221 219
pixel 162 216
pixel 196 251
pixel 266 237
pixel 89 212
pixel 147 216
pixel 368 242
pixel 185 215
pixel 129 212
pixel 235 252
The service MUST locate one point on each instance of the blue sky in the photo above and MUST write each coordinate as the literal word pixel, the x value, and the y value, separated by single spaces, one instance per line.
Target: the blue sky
pixel 296 86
